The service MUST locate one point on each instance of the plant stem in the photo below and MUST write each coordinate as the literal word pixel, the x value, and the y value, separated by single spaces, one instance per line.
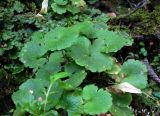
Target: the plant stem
pixel 47 95
pixel 151 71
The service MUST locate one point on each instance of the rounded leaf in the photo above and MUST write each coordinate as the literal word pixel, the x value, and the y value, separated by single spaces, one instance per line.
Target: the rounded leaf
pixel 93 60
pixel 96 101
pixel 135 73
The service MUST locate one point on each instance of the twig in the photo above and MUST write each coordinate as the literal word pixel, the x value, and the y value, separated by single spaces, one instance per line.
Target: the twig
pixel 139 5
pixel 131 5
pixel 151 72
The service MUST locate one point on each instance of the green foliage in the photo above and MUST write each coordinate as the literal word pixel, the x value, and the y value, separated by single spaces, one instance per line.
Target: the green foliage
pixel 136 73
pixel 61 53
pixel 72 6
pixel 97 101
pixel 79 48
pixel 84 55
pixel 121 104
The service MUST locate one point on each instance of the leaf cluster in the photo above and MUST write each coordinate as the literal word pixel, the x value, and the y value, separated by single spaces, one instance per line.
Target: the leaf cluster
pixel 71 53
pixel 61 53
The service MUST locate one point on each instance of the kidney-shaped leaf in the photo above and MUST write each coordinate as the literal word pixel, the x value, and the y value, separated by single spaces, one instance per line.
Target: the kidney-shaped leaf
pixel 93 60
pixel 135 73
pixel 31 54
pixel 112 41
pixel 60 38
pixel 96 101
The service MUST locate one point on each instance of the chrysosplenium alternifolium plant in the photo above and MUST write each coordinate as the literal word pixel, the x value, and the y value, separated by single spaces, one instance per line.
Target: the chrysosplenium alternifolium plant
pixel 71 53
pixel 62 58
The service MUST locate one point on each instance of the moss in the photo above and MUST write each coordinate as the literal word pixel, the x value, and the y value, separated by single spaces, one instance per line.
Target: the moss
pixel 142 22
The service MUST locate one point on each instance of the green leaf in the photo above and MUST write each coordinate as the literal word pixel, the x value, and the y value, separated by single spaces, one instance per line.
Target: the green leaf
pixel 135 73
pixel 22 98
pixel 51 67
pixel 86 28
pixel 54 95
pixel 121 111
pixel 57 76
pixel 120 106
pixel 14 68
pixel 51 113
pixel 18 7
pixel 122 100
pixel 58 9
pixel 96 101
pixel 34 85
pixel 84 55
pixel 37 37
pixel 72 67
pixel 72 102
pixel 77 75
pixel 76 79
pixel 25 102
pixel 157 94
pixel 61 2
pixel 115 69
pixel 138 80
pixel 31 55
pixel 73 9
pixel 60 38
pixel 133 67
pixel 91 1
pixel 112 41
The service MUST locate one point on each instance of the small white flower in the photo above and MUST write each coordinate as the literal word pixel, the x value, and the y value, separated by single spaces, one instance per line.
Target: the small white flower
pixel 31 91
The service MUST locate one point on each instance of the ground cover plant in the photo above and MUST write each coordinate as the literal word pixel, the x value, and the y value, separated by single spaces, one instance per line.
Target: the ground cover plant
pixel 68 57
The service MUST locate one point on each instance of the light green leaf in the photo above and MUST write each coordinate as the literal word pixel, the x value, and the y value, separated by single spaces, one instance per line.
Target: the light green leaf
pixel 24 102
pixel 76 79
pixel 58 9
pixel 133 67
pixel 37 37
pixel 122 100
pixel 61 2
pixel 60 38
pixel 121 111
pixel 54 95
pixel 31 55
pixel 22 98
pixel 112 41
pixel 96 101
pixel 157 94
pixel 115 69
pixel 51 67
pixel 34 85
pixel 138 80
pixel 86 28
pixel 18 7
pixel 73 9
pixel 77 74
pixel 72 102
pixel 91 1
pixel 59 75
pixel 120 106
pixel 50 113
pixel 93 60
pixel 135 73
